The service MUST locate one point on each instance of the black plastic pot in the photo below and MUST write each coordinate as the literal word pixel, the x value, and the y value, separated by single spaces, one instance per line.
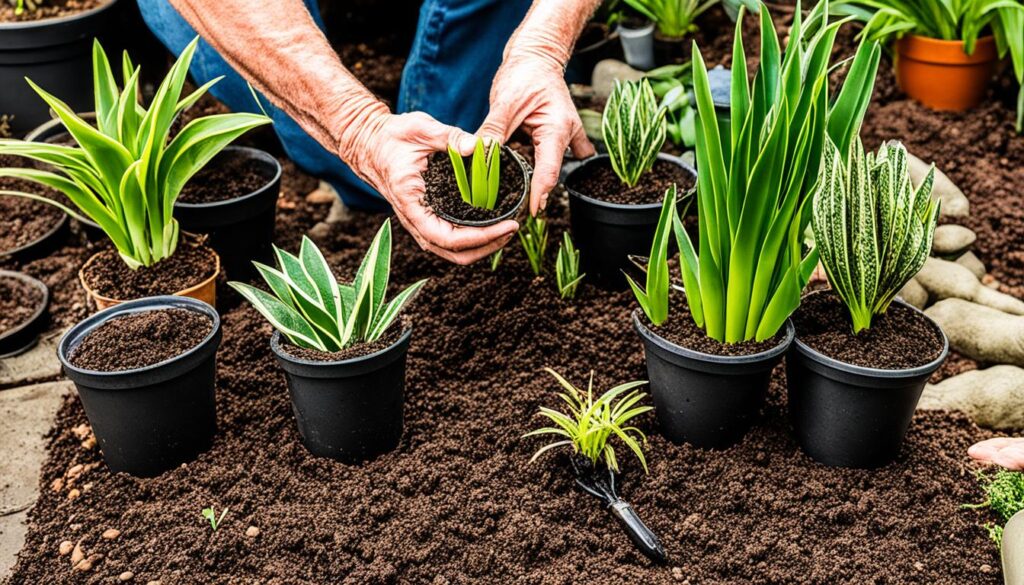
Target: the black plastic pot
pixel 702 399
pixel 241 229
pixel 349 410
pixel 607 233
pixel 41 246
pixel 511 213
pixel 150 419
pixel 56 54
pixel 668 50
pixel 25 336
pixel 852 416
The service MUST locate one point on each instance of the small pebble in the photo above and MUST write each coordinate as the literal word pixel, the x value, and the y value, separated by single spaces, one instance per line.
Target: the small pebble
pixel 126 576
pixel 57 485
pixel 152 583
pixel 919 566
pixel 74 493
pixel 77 555
pixel 252 532
pixel 89 443
pixel 65 548
pixel 677 573
pixel 81 431
pixel 75 470
pixel 986 569
pixel 111 533
pixel 85 565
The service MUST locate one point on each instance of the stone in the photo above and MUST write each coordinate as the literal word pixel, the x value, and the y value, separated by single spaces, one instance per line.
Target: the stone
pixel 951 240
pixel 126 576
pixel 65 548
pixel 954 202
pixel 111 533
pixel 979 332
pixel 992 397
pixel 252 532
pixel 946 280
pixel 609 70
pixel 971 262
pixel 914 294
pixel 77 555
pixel 324 193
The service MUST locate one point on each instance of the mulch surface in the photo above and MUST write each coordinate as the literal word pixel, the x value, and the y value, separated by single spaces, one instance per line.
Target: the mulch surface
pixel 457 502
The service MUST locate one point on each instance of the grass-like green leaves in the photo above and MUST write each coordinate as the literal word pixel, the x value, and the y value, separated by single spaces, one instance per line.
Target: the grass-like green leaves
pixel 480 187
pixel 633 129
pixel 534 238
pixel 674 18
pixel 591 423
pixel 873 229
pixel 567 268
pixel 744 277
pixel 127 171
pixel 210 514
pixel 653 297
pixel 313 310
pixel 1004 495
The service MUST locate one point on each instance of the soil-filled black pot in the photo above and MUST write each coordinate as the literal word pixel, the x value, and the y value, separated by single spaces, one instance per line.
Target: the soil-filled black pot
pixel 56 54
pixel 241 229
pixel 608 233
pixel 853 416
pixel 44 244
pixel 512 212
pixel 24 336
pixel 668 50
pixel 148 420
pixel 702 399
pixel 349 410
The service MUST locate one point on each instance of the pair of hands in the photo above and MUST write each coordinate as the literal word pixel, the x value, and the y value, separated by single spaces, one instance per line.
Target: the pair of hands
pixel 526 92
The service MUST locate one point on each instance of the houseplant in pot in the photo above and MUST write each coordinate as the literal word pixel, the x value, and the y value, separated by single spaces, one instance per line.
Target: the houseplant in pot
pixel 615 198
pixel 861 359
pixel 674 19
pixel 125 175
pixel 636 34
pixel 588 429
pixel 23 312
pixel 710 360
pixel 342 348
pixel 491 190
pixel 144 371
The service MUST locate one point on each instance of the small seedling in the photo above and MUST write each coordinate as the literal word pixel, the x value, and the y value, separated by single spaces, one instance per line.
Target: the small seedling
pixel 496 259
pixel 211 516
pixel 1004 495
pixel 567 268
pixel 534 237
pixel 480 188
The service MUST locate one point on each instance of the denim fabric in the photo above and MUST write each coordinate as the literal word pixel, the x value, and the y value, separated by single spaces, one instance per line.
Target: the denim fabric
pixel 448 75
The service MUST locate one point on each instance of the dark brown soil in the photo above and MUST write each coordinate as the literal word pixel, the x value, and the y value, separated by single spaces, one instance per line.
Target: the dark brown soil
pixel 226 177
pixel 48 9
pixel 18 302
pixel 443 192
pixel 23 221
pixel 390 337
pixel 109 276
pixel 900 339
pixel 140 340
pixel 599 181
pixel 681 330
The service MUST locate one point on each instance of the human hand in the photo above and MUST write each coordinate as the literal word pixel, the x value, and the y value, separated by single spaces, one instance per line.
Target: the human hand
pixel 530 91
pixel 391 153
pixel 1006 452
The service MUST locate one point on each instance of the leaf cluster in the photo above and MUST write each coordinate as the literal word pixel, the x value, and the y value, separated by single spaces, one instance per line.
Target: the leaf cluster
pixel 211 516
pixel 534 238
pixel 480 188
pixel 653 297
pixel 633 129
pixel 1004 495
pixel 674 18
pixel 567 268
pixel 671 85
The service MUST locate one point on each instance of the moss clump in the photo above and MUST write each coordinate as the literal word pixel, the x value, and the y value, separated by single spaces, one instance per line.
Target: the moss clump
pixel 1004 495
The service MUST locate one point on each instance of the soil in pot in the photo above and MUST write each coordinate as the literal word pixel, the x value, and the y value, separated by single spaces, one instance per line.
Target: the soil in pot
pixel 900 339
pixel 599 181
pixel 681 330
pixel 23 221
pixel 232 177
pixel 18 302
pixel 110 277
pixel 443 192
pixel 48 9
pixel 141 339
pixel 390 337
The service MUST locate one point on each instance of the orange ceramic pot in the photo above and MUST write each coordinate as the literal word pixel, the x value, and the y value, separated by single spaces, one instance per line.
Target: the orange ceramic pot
pixel 940 75
pixel 205 291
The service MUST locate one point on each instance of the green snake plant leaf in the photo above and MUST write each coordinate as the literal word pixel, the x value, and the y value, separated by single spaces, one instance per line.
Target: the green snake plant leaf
pixel 633 128
pixel 459 166
pixel 391 311
pixel 478 177
pixel 104 90
pixel 653 298
pixel 284 318
pixel 319 273
pixel 493 174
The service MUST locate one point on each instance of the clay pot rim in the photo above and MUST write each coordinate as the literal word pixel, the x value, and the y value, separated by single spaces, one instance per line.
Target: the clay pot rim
pixel 939 51
pixel 108 301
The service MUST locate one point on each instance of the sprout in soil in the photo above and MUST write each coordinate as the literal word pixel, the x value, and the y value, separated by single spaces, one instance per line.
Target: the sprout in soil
pixel 534 237
pixel 127 172
pixel 1004 495
pixel 314 310
pixel 20 6
pixel 496 259
pixel 872 228
pixel 480 188
pixel 211 516
pixel 633 129
pixel 567 268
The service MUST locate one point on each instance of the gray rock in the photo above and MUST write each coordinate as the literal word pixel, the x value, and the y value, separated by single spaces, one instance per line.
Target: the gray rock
pixel 607 71
pixel 971 262
pixel 992 397
pixel 951 240
pixel 979 332
pixel 954 202
pixel 914 294
pixel 948 280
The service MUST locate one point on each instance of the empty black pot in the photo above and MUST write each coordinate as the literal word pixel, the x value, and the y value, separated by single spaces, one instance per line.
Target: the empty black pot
pixel 150 419
pixel 852 416
pixel 608 233
pixel 349 410
pixel 511 213
pixel 702 399
pixel 241 229
pixel 56 54
pixel 24 336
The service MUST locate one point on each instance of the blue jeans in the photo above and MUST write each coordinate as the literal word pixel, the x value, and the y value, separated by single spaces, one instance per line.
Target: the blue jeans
pixel 455 54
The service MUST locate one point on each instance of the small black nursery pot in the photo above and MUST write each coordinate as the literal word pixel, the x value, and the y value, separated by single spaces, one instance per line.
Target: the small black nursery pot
pixel 706 400
pixel 241 229
pixel 608 233
pixel 23 336
pixel 846 415
pixel 349 410
pixel 151 419
pixel 507 206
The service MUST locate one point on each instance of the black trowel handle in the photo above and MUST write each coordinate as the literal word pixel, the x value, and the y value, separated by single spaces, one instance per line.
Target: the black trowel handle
pixel 638 532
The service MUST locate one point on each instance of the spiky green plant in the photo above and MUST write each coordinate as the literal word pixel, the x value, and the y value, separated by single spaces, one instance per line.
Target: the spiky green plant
pixel 744 277
pixel 1004 495
pixel 310 307
pixel 872 228
pixel 534 238
pixel 653 297
pixel 674 18
pixel 633 129
pixel 127 172
pixel 480 188
pixel 567 268
pixel 591 423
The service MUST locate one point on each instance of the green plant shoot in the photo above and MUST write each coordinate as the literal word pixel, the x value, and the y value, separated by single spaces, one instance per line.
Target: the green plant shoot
pixel 653 297
pixel 496 259
pixel 633 129
pixel 1004 495
pixel 674 18
pixel 534 238
pixel 211 516
pixel 480 187
pixel 567 268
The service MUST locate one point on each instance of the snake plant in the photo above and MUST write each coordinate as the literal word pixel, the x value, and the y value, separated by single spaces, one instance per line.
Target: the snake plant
pixel 480 187
pixel 633 129
pixel 674 18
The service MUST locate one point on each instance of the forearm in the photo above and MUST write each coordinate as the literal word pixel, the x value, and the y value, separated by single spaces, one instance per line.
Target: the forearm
pixel 550 30
pixel 280 50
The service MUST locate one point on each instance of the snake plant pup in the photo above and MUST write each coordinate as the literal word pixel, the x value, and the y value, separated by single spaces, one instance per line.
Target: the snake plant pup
pixel 490 189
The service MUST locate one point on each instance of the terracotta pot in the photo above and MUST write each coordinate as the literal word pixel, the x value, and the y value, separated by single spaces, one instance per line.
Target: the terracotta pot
pixel 205 291
pixel 940 75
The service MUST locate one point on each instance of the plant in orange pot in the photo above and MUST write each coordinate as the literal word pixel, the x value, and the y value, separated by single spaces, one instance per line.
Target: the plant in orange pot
pixel 946 50
pixel 125 174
